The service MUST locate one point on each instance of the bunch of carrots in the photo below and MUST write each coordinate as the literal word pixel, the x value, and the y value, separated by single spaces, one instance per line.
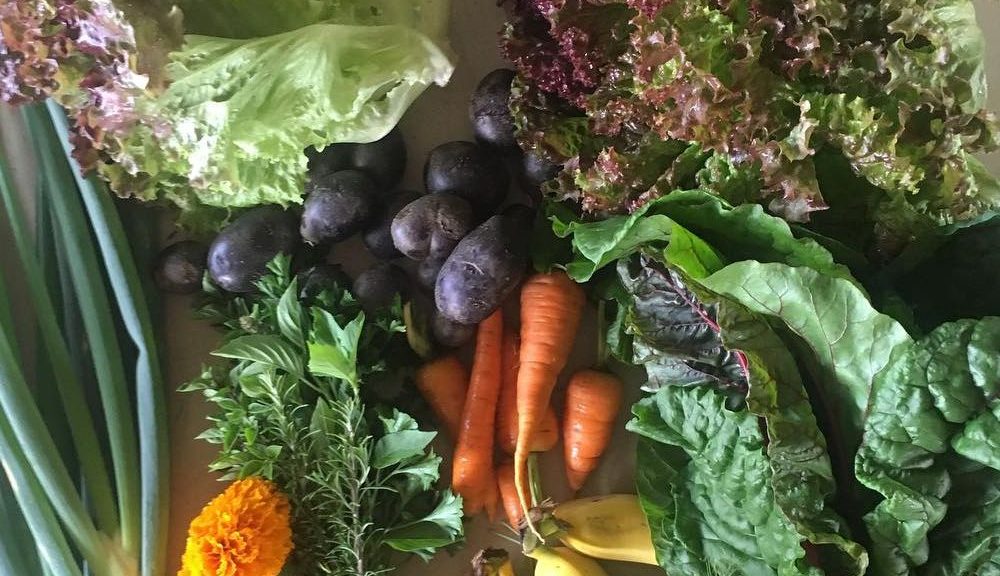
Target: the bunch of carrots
pixel 503 406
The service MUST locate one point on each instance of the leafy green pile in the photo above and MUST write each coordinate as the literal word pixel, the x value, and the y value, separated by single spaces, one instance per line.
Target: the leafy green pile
pixel 861 117
pixel 210 103
pixel 791 427
pixel 291 408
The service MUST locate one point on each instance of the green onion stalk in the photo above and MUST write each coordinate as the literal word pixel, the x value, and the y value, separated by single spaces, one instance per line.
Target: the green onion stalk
pixel 86 486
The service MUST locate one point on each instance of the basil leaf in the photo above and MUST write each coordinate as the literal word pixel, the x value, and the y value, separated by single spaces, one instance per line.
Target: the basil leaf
pixel 264 349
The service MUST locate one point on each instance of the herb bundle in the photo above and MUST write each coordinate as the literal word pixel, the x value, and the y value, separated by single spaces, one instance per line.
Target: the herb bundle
pixel 292 408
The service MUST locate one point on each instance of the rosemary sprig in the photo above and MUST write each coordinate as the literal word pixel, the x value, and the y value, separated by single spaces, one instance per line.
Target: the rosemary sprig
pixel 291 408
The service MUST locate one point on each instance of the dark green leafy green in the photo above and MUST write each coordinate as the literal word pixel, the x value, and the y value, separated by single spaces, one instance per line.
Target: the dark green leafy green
pixel 290 408
pixel 849 342
pixel 706 485
pixel 695 339
pixel 927 452
pixel 737 233
pixel 673 333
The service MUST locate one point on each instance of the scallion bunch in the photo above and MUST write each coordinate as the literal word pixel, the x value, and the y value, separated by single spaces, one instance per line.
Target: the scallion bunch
pixel 83 437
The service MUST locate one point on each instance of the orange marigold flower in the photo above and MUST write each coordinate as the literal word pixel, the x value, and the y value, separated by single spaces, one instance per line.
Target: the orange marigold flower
pixel 244 531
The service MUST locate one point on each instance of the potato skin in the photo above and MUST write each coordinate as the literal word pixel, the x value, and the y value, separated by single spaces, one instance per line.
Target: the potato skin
pixel 180 267
pixel 239 255
pixel 338 206
pixel 427 273
pixel 376 287
pixel 466 169
pixel 378 235
pixel 489 110
pixel 431 226
pixel 384 160
pixel 485 267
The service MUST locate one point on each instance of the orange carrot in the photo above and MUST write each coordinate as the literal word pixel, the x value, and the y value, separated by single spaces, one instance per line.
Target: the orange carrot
pixel 443 383
pixel 508 494
pixel 472 474
pixel 551 306
pixel 547 434
pixel 593 399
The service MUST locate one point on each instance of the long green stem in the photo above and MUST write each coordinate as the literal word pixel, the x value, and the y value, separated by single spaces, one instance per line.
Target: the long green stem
pixel 65 307
pixel 20 418
pixel 41 521
pixel 150 396
pixel 77 415
pixel 95 309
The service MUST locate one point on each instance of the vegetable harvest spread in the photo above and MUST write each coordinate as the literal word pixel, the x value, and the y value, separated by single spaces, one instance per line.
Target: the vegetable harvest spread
pixel 773 209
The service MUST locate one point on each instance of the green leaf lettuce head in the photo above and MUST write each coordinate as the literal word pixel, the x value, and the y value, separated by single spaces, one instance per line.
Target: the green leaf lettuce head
pixel 212 103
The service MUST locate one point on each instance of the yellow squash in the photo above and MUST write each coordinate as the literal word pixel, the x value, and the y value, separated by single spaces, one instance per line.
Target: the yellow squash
pixel 564 562
pixel 492 562
pixel 611 527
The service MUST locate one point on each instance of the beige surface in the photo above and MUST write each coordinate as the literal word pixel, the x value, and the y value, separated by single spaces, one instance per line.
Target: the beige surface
pixel 440 115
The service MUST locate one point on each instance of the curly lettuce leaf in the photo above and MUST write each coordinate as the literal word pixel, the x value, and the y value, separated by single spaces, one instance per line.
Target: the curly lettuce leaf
pixel 930 450
pixel 762 90
pixel 219 119
pixel 235 119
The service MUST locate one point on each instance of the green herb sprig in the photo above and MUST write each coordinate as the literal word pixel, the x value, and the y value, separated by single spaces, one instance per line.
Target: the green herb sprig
pixel 290 408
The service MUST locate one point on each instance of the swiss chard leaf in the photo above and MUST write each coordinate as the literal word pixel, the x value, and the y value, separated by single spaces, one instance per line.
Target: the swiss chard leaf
pixel 732 233
pixel 706 485
pixel 938 396
pixel 674 334
pixel 849 342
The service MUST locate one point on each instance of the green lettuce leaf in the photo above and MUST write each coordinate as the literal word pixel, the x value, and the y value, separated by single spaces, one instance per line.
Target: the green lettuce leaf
pixel 706 486
pixel 930 450
pixel 210 104
pixel 231 128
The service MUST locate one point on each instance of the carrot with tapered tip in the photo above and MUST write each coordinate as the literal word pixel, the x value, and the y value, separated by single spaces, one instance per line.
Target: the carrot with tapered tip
pixel 551 306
